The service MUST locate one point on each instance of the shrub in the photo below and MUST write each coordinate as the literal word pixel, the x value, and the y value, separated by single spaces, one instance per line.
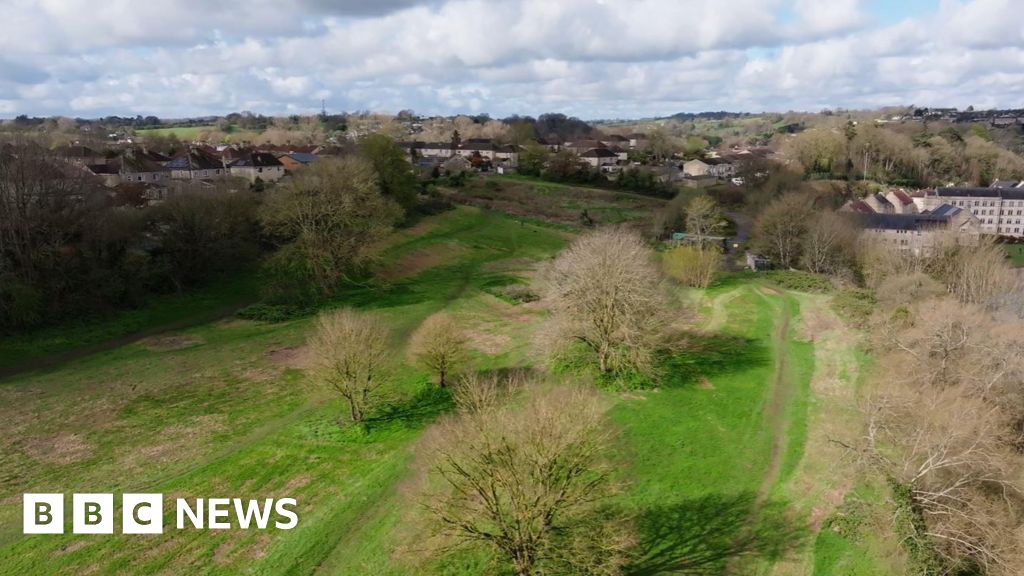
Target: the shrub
pixel 691 265
pixel 800 281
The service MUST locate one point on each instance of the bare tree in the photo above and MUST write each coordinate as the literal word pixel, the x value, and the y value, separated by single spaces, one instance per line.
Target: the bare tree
pixel 351 356
pixel 944 426
pixel 830 245
pixel 527 481
pixel 780 229
pixel 703 218
pixel 439 345
pixel 605 293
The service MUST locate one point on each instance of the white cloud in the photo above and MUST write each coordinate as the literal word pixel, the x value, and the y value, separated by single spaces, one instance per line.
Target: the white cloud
pixel 592 58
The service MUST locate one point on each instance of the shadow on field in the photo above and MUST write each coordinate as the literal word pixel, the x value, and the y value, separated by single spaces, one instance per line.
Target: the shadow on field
pixel 427 404
pixel 706 355
pixel 704 536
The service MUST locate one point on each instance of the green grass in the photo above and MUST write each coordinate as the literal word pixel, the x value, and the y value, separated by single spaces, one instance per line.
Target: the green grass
pixel 700 448
pixel 1016 254
pixel 195 307
pixel 221 416
pixel 225 410
pixel 188 133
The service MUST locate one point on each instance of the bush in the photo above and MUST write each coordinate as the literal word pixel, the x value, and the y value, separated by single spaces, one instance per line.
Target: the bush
pixel 800 281
pixel 515 294
pixel 691 265
pixel 855 305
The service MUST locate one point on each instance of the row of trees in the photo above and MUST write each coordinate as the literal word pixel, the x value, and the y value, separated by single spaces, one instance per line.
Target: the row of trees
pixel 945 412
pixel 893 156
pixel 70 248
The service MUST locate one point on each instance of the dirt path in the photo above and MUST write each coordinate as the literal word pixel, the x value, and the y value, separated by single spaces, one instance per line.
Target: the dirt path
pixel 719 313
pixel 775 410
pixel 782 392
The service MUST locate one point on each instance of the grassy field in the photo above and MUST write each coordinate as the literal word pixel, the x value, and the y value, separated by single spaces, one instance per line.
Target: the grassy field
pixel 726 467
pixel 1016 254
pixel 189 133
pixel 552 202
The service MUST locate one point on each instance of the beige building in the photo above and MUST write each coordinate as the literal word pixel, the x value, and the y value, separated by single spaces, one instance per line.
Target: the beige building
pixel 918 233
pixel 258 165
pixel 999 210
pixel 716 167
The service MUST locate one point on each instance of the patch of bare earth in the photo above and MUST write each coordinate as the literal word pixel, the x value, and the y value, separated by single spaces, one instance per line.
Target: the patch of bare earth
pixel 259 548
pixel 64 448
pixel 171 342
pixel 292 357
pixel 420 260
pixel 487 343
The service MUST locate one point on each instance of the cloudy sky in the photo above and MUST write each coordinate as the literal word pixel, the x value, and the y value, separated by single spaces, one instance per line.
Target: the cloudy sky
pixel 590 58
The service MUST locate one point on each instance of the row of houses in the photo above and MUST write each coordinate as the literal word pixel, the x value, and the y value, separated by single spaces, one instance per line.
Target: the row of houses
pixel 914 220
pixel 197 162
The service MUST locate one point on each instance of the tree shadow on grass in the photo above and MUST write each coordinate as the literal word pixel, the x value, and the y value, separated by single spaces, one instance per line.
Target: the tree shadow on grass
pixel 706 355
pixel 423 407
pixel 707 535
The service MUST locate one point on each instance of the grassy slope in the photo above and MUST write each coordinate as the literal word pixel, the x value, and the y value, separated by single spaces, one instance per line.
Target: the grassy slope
pixel 708 477
pixel 196 307
pixel 1016 254
pixel 222 417
pixel 700 451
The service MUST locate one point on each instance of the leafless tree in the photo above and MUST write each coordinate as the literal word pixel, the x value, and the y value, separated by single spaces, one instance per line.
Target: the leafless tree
pixel 830 245
pixel 526 481
pixel 351 356
pixel 703 218
pixel 439 345
pixel 605 292
pixel 780 229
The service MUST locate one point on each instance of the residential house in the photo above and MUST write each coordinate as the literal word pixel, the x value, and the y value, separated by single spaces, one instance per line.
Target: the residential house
pixel 599 157
pixel 258 165
pixel 130 166
pixel 901 202
pixel 195 164
pixel 999 210
pixel 293 161
pixel 637 140
pixel 879 204
pixel 615 140
pixel 717 167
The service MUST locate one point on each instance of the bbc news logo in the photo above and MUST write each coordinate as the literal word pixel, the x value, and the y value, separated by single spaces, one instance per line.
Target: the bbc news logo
pixel 144 513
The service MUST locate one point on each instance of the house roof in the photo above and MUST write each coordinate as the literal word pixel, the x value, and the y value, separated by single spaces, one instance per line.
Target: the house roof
pixel 903 197
pixel 599 153
pixel 882 200
pixel 257 160
pixel 195 159
pixel 861 207
pixel 616 138
pixel 1003 184
pixel 1004 193
pixel 911 222
pixel 302 157
pixel 946 210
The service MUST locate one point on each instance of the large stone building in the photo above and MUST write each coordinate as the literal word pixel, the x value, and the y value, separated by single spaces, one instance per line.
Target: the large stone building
pixel 918 233
pixel 999 209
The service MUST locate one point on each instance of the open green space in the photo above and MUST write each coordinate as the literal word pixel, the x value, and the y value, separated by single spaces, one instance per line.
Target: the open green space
pixel 713 463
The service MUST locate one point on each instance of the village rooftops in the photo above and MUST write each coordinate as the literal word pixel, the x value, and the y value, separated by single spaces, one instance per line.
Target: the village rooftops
pixel 1004 193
